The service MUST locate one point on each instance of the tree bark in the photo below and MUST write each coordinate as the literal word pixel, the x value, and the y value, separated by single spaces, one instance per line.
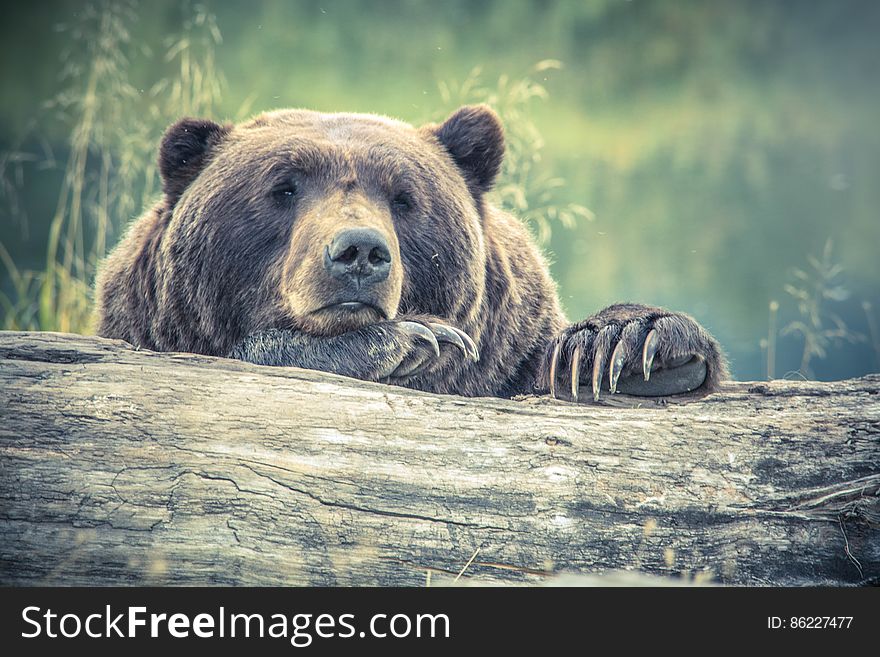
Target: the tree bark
pixel 121 466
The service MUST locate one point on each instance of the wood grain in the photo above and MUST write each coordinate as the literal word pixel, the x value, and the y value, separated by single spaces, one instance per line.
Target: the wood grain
pixel 120 466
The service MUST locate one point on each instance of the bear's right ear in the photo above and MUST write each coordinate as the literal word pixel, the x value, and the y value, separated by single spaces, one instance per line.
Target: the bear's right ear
pixel 184 151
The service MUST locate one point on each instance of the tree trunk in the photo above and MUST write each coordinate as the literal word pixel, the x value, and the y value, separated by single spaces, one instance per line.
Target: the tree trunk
pixel 131 467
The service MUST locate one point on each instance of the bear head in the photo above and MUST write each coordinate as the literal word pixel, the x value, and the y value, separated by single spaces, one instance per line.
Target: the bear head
pixel 325 222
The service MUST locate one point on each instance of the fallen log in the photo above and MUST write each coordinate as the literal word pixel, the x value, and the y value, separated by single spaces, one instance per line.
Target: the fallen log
pixel 120 466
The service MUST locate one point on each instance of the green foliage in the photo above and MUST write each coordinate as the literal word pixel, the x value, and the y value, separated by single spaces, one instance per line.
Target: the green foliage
pixel 93 101
pixel 20 310
pixel 715 142
pixel 525 187
pixel 198 85
pixel 820 327
pixel 110 156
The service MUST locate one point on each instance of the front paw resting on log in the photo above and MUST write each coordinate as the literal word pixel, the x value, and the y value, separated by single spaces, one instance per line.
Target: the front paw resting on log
pixel 392 351
pixel 634 349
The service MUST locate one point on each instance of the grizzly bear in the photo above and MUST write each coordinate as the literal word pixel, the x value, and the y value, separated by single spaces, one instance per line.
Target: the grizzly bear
pixel 363 246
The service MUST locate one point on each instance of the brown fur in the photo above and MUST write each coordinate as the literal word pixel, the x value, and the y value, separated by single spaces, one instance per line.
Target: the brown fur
pixel 232 259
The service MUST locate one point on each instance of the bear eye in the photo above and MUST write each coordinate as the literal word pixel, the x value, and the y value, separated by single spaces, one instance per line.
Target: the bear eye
pixel 402 202
pixel 284 191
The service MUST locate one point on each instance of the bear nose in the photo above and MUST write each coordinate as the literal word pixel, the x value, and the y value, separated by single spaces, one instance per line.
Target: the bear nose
pixel 360 255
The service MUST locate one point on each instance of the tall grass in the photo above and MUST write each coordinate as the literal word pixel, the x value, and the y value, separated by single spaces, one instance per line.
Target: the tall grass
pixel 110 172
pixel 95 97
pixel 814 290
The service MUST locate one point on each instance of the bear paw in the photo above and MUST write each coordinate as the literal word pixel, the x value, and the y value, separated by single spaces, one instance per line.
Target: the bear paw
pixel 419 347
pixel 637 350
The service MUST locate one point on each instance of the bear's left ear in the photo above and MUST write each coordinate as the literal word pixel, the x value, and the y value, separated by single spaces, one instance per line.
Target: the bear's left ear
pixel 474 137
pixel 184 152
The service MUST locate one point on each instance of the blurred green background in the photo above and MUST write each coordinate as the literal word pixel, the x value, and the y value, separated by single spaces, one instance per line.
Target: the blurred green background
pixel 717 157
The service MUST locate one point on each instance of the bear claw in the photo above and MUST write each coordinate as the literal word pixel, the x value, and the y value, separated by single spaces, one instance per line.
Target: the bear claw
pixel 554 361
pixel 639 348
pixel 433 333
pixel 598 368
pixel 456 337
pixel 618 360
pixel 649 350
pixel 575 373
pixel 423 332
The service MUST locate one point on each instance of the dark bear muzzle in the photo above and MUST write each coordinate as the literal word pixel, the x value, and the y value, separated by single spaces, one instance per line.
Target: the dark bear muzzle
pixel 358 256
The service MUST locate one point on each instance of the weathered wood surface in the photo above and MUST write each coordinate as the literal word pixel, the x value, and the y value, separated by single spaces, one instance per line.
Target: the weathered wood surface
pixel 127 467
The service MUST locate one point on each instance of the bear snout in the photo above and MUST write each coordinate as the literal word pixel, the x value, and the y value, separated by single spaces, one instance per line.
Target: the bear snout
pixel 358 257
